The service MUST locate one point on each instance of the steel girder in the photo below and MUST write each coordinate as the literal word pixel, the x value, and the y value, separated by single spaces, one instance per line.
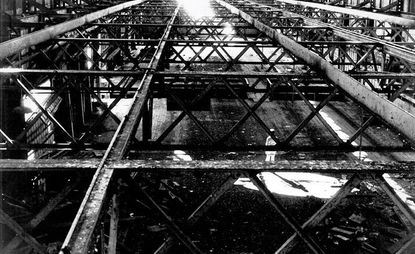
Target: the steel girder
pixel 389 111
pixel 206 28
pixel 79 237
pixel 15 45
pixel 356 12
pixel 390 47
pixel 335 52
pixel 221 166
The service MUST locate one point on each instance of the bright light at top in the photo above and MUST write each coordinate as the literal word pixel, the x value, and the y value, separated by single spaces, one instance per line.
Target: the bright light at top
pixel 197 8
pixel 227 28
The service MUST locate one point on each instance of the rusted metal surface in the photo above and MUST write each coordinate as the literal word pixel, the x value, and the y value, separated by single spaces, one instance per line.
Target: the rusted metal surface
pixel 200 211
pixel 221 166
pixel 79 236
pixel 360 13
pixel 314 220
pixel 94 203
pixel 391 113
pixel 209 74
pixel 311 243
pixel 13 46
pixel 389 47
pixel 114 220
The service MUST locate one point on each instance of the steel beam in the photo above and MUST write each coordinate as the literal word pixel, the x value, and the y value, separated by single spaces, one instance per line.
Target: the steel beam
pixel 314 247
pixel 201 210
pixel 388 111
pixel 220 166
pixel 314 220
pixel 14 46
pixel 207 74
pixel 410 23
pixel 113 234
pixel 390 47
pixel 154 146
pixel 80 233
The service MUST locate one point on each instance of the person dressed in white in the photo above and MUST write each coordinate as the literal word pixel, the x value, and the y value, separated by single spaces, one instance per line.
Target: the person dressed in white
pixel 270 155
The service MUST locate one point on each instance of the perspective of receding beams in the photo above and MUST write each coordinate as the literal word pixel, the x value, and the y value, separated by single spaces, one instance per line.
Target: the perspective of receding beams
pixel 80 235
pixel 344 32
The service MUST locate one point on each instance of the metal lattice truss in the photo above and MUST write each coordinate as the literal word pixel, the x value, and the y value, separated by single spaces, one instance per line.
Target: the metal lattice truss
pixel 144 50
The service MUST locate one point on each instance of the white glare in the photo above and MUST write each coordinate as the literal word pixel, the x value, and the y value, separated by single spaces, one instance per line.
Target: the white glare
pixel 180 155
pixel 197 8
pixel 227 28
pixel 10 70
pixel 302 184
pixel 88 52
pixel 29 106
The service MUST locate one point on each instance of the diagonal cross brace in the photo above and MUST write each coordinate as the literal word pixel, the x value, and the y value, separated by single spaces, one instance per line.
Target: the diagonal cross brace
pixel 21 232
pixel 44 111
pixel 314 247
pixel 200 211
pixel 41 215
pixel 79 236
pixel 390 112
pixel 321 213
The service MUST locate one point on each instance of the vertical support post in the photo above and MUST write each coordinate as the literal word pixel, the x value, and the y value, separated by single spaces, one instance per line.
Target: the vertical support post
pixel 71 113
pixel 102 235
pixel 112 244
pixel 148 119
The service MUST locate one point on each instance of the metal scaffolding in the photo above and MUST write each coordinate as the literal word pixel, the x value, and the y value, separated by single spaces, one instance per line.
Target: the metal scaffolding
pixel 315 53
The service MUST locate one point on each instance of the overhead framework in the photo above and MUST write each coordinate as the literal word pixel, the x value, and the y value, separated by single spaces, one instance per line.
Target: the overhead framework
pixel 147 50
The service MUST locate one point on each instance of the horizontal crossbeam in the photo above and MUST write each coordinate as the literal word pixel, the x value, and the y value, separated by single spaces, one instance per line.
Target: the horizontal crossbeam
pixel 220 166
pixel 245 74
pixel 391 113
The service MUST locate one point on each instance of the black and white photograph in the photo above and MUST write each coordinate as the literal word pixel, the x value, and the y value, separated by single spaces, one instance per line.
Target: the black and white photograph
pixel 207 126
